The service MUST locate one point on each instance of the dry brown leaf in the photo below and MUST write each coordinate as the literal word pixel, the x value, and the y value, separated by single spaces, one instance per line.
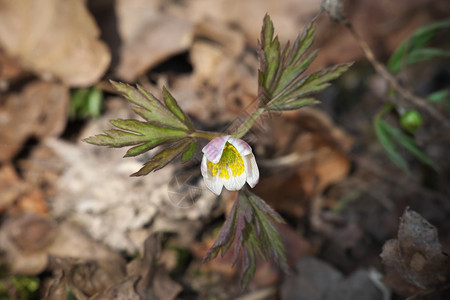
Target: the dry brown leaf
pixel 149 35
pixel 416 255
pixel 11 187
pixel 40 110
pixel 304 153
pixel 84 278
pixel 318 280
pixel 54 38
pixel 154 281
pixel 27 241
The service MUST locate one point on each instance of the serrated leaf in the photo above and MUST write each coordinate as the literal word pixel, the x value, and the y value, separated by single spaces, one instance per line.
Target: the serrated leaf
pixel 291 105
pixel 172 104
pixel 420 38
pixel 189 152
pixel 250 226
pixel 139 149
pixel 149 107
pixel 147 129
pixel 164 157
pixel 312 83
pixel 280 73
pixel 116 138
pixel 144 136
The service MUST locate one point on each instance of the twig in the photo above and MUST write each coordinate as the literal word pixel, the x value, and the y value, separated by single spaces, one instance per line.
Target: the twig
pixel 335 11
pixel 381 69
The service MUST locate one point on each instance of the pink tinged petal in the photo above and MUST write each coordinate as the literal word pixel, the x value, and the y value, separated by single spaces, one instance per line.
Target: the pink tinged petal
pixel 213 183
pixel 241 146
pixel 234 183
pixel 251 168
pixel 213 150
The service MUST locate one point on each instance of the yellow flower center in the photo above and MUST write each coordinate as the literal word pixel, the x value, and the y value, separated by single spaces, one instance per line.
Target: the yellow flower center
pixel 231 159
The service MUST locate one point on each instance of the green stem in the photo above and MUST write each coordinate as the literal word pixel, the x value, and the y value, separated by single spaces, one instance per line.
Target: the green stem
pixel 247 125
pixel 207 135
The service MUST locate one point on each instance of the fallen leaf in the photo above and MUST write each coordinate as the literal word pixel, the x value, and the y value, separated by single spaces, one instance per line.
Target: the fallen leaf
pixel 37 111
pixel 54 38
pixel 27 241
pixel 149 35
pixel 416 255
pixel 312 280
pixel 84 278
pixel 154 281
pixel 318 280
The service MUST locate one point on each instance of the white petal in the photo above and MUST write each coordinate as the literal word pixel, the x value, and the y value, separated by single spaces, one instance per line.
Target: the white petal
pixel 213 183
pixel 204 166
pixel 241 146
pixel 251 168
pixel 213 150
pixel 234 183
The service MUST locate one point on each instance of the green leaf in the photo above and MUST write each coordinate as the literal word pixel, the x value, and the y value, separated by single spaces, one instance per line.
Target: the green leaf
pixel 146 135
pixel 189 152
pixel 116 138
pixel 424 54
pixel 172 104
pixel 144 147
pixel 280 73
pixel 85 102
pixel 291 105
pixel 389 135
pixel 250 226
pixel 440 96
pixel 148 107
pixel 389 145
pixel 164 157
pixel 408 143
pixel 420 38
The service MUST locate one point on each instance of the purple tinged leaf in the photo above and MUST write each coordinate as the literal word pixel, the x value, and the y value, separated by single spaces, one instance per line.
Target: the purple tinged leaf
pixel 161 159
pixel 250 226
pixel 225 237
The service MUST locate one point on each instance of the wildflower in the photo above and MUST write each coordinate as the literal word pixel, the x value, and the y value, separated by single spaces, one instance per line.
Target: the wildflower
pixel 228 162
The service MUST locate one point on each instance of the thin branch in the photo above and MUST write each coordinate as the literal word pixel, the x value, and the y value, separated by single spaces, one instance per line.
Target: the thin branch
pixel 381 69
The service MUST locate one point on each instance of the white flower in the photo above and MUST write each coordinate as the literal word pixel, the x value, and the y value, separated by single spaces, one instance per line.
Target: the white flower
pixel 228 162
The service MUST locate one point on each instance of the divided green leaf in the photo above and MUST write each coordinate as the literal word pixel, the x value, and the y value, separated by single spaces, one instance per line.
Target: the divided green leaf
pixel 250 226
pixel 164 125
pixel 164 157
pixel 152 110
pixel 281 85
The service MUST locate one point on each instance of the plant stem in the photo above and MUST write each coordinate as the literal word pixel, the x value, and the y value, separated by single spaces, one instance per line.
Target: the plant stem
pixel 207 135
pixel 247 125
pixel 382 70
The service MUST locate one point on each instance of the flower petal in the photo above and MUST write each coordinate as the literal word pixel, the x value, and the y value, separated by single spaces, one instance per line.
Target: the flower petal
pixel 213 150
pixel 234 183
pixel 214 184
pixel 251 168
pixel 204 166
pixel 241 146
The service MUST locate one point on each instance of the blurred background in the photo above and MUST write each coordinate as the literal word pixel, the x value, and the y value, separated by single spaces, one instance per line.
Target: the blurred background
pixel 74 225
